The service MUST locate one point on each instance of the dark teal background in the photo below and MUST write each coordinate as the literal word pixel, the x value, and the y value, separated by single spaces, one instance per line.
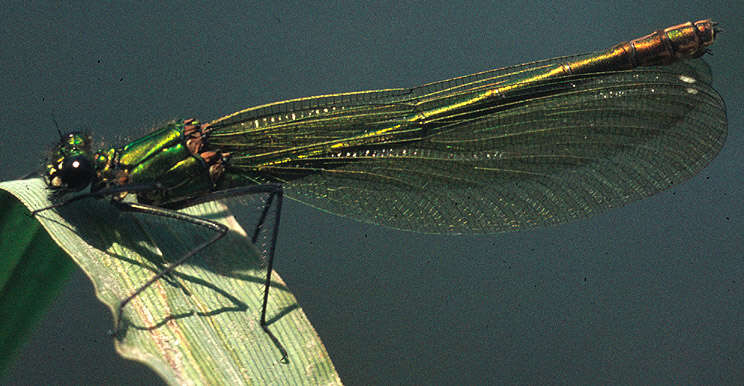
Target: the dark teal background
pixel 649 293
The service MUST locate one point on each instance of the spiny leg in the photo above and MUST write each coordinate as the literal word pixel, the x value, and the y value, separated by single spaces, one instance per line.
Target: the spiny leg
pixel 262 218
pixel 221 231
pixel 273 190
pixel 270 261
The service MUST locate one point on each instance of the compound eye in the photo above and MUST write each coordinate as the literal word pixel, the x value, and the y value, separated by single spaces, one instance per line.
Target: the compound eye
pixel 76 173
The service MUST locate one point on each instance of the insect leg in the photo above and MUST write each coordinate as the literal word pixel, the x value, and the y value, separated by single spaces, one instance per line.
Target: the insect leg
pixel 275 192
pixel 219 229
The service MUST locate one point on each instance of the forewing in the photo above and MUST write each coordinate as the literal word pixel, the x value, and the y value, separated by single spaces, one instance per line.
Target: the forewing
pixel 562 150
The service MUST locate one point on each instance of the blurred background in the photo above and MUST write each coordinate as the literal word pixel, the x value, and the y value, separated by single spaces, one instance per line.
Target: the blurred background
pixel 649 293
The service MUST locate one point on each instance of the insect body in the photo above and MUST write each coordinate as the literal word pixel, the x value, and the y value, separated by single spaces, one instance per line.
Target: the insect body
pixel 534 144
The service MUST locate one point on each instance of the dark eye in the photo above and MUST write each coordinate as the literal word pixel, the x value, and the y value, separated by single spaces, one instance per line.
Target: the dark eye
pixel 74 174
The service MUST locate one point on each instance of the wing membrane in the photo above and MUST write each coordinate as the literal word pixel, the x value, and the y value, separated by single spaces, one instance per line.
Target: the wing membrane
pixel 543 153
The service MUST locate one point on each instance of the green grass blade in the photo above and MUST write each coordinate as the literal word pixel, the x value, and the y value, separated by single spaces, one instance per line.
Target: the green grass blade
pixel 201 325
pixel 32 271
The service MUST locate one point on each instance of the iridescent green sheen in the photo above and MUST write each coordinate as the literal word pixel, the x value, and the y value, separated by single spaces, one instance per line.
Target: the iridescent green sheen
pixel 161 158
pixel 534 144
pixel 528 145
pixel 148 146
pixel 70 167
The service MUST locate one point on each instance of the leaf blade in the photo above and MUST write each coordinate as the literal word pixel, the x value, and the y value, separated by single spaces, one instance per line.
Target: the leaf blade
pixel 201 325
pixel 32 272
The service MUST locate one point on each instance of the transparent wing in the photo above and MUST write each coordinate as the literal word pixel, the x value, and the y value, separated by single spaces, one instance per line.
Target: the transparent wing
pixel 281 130
pixel 545 153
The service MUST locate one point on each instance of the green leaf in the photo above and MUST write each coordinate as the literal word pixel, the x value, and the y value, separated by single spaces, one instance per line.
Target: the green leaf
pixel 199 325
pixel 32 272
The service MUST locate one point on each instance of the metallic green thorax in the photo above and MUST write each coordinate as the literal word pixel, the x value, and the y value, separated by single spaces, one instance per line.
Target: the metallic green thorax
pixel 171 159
pixel 171 164
pixel 533 144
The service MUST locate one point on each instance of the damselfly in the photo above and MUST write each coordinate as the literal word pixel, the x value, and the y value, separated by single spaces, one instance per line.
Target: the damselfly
pixel 528 145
